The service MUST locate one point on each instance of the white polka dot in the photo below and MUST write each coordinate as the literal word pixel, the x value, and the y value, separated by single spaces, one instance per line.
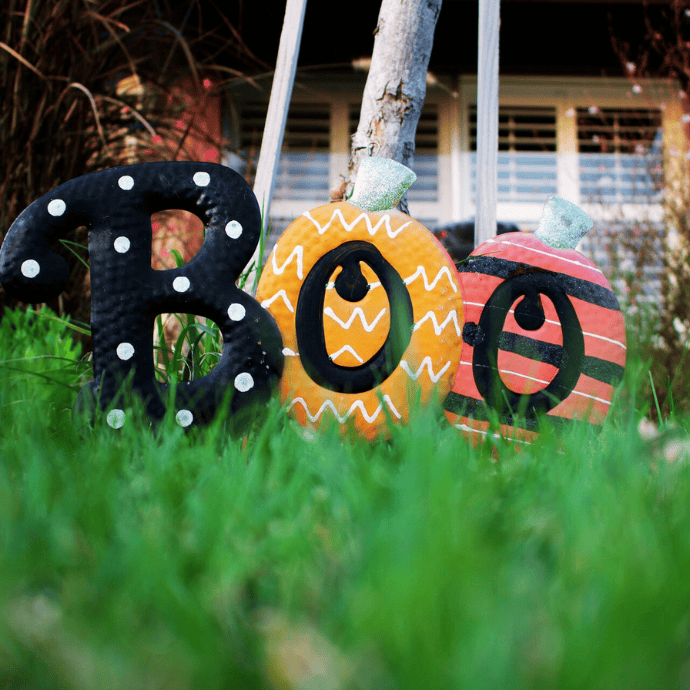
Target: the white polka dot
pixel 115 418
pixel 233 229
pixel 121 245
pixel 236 312
pixel 30 268
pixel 184 417
pixel 201 179
pixel 126 182
pixel 57 207
pixel 181 284
pixel 243 382
pixel 125 350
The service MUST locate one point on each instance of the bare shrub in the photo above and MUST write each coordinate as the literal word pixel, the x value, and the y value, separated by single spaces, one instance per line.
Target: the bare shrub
pixel 90 85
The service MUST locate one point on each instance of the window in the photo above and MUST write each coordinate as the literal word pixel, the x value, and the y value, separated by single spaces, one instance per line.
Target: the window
pixel 620 163
pixel 303 167
pixel 527 163
pixel 551 141
pixel 426 157
pixel 620 154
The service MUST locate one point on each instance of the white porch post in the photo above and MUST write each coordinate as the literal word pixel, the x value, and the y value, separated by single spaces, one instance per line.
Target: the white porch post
pixel 487 121
pixel 278 106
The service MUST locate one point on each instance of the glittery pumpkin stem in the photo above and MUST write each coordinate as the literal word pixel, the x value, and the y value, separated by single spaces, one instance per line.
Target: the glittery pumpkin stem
pixel 380 184
pixel 562 224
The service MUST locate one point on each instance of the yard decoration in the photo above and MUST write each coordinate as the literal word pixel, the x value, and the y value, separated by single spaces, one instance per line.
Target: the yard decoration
pixel 127 294
pixel 543 332
pixel 369 305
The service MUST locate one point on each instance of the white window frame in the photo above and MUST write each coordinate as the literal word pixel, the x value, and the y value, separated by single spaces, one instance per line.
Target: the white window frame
pixel 454 97
pixel 567 95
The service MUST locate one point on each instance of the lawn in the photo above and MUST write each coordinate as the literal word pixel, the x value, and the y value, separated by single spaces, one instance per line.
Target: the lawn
pixel 147 558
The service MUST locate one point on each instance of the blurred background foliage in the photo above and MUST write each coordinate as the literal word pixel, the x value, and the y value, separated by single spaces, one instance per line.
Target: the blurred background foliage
pixel 91 84
pixel 661 328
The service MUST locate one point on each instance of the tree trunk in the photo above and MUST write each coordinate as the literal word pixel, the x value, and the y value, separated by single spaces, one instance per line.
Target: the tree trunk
pixel 396 86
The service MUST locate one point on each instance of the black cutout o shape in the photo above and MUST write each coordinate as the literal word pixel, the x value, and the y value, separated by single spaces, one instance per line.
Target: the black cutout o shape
pixel 350 283
pixel 127 293
pixel 529 313
pixel 309 326
pixel 485 356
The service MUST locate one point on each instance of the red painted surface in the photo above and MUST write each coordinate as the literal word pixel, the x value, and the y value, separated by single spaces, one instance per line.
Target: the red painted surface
pixel 603 330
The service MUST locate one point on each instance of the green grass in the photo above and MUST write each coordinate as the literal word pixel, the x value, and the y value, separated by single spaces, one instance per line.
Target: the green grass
pixel 149 558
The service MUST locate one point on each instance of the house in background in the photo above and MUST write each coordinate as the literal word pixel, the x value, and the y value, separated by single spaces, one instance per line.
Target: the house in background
pixel 572 122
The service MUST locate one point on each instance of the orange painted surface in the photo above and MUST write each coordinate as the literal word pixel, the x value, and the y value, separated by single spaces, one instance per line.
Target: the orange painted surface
pixel 362 325
pixel 428 365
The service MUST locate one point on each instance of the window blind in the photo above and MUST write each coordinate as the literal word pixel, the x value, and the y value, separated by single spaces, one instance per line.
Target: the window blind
pixel 527 166
pixel 620 154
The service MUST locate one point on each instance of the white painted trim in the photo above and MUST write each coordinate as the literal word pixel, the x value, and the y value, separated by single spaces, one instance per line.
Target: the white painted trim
pixel 453 101
pixel 452 182
pixel 464 184
pixel 340 141
pixel 448 159
pixel 583 91
pixel 567 158
pixel 487 121
pixel 281 93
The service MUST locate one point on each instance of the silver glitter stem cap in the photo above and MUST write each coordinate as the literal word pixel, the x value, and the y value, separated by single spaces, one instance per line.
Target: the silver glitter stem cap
pixel 562 224
pixel 380 184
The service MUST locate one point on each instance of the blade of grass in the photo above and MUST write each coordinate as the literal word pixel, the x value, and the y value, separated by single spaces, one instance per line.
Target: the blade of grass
pixel 245 276
pixel 207 356
pixel 198 353
pixel 67 244
pixel 24 62
pixel 179 261
pixel 69 324
pixel 187 52
pixel 162 345
pixel 177 350
pixel 133 112
pixel 36 357
pixel 656 400
pixel 94 107
pixel 670 399
pixel 676 375
pixel 40 375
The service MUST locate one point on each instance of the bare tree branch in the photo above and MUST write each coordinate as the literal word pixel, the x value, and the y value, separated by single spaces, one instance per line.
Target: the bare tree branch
pixel 396 86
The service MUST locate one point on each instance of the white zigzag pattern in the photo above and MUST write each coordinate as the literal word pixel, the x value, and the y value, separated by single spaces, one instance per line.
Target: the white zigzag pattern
pixel 281 293
pixel 368 327
pixel 386 220
pixel 452 316
pixel 421 271
pixel 426 362
pixel 347 348
pixel 298 251
pixel 357 405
